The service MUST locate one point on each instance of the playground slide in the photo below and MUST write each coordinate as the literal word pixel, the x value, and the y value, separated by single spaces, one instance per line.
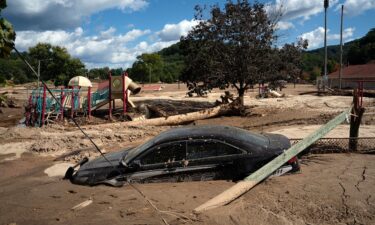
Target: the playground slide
pixel 100 104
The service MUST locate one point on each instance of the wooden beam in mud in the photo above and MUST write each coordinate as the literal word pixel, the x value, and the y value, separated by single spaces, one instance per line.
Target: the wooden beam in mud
pixel 249 182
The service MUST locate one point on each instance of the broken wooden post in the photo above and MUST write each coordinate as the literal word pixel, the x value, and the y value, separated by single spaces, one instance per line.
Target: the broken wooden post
pixel 249 182
pixel 355 120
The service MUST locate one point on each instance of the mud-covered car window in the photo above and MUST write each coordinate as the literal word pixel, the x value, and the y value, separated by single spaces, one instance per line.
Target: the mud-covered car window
pixel 209 148
pixel 165 153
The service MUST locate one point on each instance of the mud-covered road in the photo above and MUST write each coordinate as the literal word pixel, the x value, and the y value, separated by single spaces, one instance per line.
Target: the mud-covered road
pixel 331 189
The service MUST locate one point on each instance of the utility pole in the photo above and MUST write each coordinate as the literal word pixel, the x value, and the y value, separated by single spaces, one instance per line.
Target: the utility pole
pixel 341 50
pixel 149 71
pixel 38 75
pixel 326 4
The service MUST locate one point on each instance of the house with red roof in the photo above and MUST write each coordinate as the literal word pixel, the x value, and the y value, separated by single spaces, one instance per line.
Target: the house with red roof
pixel 353 74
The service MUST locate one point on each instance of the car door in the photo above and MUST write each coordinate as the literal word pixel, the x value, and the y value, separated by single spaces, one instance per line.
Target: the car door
pixel 160 163
pixel 210 159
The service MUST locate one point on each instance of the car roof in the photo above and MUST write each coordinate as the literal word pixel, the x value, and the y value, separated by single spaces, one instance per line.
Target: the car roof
pixel 239 137
pixel 210 132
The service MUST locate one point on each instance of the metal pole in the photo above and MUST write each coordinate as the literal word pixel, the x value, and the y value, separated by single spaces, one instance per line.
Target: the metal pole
pixel 326 2
pixel 124 93
pixel 340 71
pixel 89 102
pixel 44 104
pixel 110 96
pixel 38 75
pixel 149 69
pixel 62 98
pixel 72 104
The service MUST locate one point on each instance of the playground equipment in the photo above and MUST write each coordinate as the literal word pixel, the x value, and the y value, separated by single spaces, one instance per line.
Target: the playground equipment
pixel 78 99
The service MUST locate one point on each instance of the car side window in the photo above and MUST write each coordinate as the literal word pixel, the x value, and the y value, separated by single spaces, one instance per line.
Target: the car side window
pixel 164 153
pixel 209 148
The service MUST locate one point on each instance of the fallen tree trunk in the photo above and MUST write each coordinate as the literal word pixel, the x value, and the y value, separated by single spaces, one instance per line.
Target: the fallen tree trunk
pixel 232 108
pixel 228 109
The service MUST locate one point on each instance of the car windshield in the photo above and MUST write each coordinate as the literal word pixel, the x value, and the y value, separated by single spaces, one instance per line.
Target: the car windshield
pixel 135 151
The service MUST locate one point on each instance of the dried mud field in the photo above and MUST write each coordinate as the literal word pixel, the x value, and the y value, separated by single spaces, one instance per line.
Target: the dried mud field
pixel 331 189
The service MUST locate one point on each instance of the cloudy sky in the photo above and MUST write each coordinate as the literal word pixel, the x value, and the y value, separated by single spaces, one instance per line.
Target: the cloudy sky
pixel 113 32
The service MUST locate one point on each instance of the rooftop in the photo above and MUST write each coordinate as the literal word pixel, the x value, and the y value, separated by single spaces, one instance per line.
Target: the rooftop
pixel 366 71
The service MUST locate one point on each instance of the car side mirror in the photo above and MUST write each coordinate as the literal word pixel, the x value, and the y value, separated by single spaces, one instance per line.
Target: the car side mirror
pixel 135 164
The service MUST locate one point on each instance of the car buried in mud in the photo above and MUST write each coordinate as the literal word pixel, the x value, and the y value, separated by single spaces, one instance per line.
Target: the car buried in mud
pixel 192 153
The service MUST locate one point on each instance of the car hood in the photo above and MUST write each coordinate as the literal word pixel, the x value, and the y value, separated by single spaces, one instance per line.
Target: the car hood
pixel 99 170
pixel 278 142
pixel 100 162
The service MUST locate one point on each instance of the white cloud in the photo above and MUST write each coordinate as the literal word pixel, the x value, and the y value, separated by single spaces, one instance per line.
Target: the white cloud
pixel 173 32
pixel 284 25
pixel 347 33
pixel 61 14
pixel 357 7
pixel 107 49
pixel 108 33
pixel 316 37
pixel 294 9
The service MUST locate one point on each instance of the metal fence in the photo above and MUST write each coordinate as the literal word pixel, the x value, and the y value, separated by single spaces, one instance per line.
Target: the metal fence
pixel 339 145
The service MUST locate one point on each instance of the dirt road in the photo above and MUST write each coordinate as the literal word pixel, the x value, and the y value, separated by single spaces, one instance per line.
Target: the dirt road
pixel 332 188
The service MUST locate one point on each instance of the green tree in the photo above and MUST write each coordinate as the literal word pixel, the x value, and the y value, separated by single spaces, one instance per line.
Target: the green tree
pixel 101 73
pixel 7 34
pixel 233 44
pixel 291 59
pixel 363 50
pixel 146 67
pixel 56 63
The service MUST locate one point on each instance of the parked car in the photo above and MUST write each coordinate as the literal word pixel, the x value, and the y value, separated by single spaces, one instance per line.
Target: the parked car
pixel 192 153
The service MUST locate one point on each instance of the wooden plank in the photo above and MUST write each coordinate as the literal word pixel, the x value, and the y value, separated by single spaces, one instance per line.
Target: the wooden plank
pixel 249 182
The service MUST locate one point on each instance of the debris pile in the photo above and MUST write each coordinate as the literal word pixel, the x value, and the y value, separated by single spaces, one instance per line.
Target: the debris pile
pixel 6 101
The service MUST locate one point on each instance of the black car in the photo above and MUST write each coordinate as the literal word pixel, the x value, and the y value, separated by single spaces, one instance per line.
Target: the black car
pixel 186 154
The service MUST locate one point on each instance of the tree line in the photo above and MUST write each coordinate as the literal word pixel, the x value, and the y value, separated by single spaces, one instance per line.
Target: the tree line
pixel 233 45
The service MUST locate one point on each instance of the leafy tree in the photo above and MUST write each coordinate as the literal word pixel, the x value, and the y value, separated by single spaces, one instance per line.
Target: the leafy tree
pixel 56 64
pixel 7 34
pixel 15 70
pixel 363 50
pixel 146 65
pixel 233 44
pixel 291 59
pixel 101 73
pixel 315 73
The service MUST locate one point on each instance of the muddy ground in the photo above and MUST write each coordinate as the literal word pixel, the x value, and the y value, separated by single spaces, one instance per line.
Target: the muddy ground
pixel 332 188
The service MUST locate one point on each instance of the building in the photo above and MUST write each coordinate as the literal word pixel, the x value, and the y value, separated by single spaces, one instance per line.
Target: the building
pixel 352 74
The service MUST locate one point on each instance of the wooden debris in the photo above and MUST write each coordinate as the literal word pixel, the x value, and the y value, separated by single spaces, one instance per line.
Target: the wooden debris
pixel 82 205
pixel 234 107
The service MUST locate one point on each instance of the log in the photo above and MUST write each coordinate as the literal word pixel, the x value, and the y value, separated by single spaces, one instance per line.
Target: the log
pixel 232 108
pixel 235 106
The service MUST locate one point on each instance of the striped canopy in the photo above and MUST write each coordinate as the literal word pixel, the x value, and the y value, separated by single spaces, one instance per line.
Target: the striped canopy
pixel 80 81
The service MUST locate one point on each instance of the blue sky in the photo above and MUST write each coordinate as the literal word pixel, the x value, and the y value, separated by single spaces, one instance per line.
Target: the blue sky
pixel 113 32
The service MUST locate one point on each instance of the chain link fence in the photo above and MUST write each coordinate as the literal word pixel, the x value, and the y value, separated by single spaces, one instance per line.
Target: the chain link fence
pixel 340 145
